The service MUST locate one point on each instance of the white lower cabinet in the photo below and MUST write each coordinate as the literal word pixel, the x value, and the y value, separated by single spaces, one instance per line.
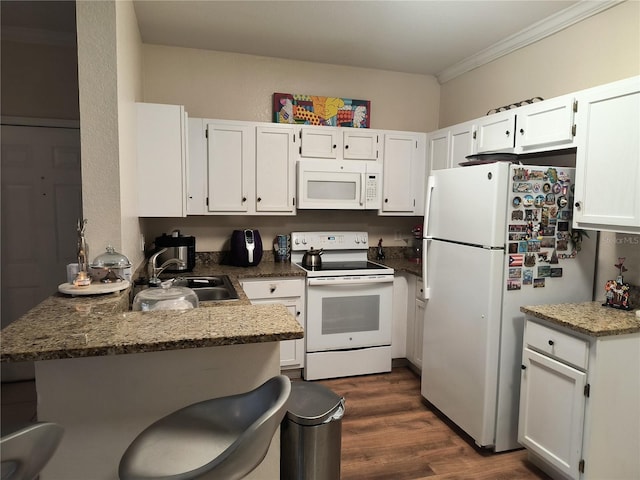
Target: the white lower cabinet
pixel 579 400
pixel 415 321
pixel 290 293
pixel 418 313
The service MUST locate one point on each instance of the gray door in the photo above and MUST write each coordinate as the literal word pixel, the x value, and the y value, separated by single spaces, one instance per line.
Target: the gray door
pixel 41 203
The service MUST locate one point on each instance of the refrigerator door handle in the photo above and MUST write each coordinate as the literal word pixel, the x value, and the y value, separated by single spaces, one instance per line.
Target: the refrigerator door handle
pixel 425 282
pixel 431 183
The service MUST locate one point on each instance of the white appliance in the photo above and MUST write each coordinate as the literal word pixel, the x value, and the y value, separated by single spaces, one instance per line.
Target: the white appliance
pixel 348 308
pixel 496 237
pixel 334 184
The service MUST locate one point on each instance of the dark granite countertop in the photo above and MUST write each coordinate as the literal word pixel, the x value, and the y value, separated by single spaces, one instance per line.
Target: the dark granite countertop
pixel 589 318
pixel 63 326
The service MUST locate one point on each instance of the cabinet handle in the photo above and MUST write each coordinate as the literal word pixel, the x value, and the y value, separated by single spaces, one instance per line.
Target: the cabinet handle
pixel 272 289
pixel 259 199
pixel 346 147
pixel 386 200
pixel 578 205
pixel 244 199
pixel 551 342
pixel 507 133
pixel 297 314
pixel 522 131
pixel 523 367
pixel 334 146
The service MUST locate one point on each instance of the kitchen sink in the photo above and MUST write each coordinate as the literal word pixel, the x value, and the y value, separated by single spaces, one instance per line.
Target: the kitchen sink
pixel 208 289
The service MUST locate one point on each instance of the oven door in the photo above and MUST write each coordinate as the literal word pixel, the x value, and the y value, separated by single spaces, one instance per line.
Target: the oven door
pixel 348 312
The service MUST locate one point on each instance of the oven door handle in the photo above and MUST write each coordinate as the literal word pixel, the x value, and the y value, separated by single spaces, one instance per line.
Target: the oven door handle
pixel 350 280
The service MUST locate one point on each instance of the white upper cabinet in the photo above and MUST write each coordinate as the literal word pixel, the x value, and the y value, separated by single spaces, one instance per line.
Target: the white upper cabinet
pixel 197 168
pixel 403 174
pixel 438 149
pixel 161 160
pixel 461 143
pixel 537 127
pixel 360 144
pixel 607 193
pixel 275 169
pixel 320 142
pixel 449 147
pixel 231 167
pixel 546 125
pixel 341 143
pixel 496 132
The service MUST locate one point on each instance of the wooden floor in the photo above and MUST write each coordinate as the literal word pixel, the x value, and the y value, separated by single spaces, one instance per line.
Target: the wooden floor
pixel 388 433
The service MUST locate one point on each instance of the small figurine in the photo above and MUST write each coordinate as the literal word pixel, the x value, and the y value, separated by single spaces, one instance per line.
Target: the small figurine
pixel 617 292
pixel 82 278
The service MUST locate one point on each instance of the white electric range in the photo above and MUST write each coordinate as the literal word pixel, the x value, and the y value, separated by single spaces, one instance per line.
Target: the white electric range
pixel 348 307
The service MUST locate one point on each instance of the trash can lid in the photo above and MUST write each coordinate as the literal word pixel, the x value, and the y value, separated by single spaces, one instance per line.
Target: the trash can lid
pixel 312 403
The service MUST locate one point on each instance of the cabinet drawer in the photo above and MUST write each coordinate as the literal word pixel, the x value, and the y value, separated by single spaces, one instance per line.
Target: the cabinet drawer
pixel 276 288
pixel 557 344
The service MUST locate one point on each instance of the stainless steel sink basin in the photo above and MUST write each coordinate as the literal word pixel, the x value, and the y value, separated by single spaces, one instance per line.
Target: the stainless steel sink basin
pixel 214 288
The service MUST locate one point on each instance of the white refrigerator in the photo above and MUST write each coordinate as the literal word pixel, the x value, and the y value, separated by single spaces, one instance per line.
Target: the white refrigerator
pixel 496 236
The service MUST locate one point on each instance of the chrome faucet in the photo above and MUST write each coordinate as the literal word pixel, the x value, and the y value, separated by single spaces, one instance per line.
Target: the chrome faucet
pixel 154 271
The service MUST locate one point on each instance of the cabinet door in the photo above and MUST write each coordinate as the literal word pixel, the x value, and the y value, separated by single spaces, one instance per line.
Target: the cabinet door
pixel 545 125
pixel 161 160
pixel 438 148
pixel 290 293
pixel 496 133
pixel 552 404
pixel 418 332
pixel 400 165
pixel 275 169
pixel 607 195
pixel 291 351
pixel 461 143
pixel 360 144
pixel 319 142
pixel 231 154
pixel 197 168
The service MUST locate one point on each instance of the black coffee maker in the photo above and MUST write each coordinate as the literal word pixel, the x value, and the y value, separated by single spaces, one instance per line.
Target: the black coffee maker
pixel 178 246
pixel 246 248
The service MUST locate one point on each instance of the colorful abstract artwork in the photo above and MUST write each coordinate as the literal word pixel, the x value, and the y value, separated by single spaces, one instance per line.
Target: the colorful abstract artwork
pixel 315 110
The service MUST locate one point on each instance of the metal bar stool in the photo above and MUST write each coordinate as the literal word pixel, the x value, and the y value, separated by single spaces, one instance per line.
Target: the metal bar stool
pixel 25 452
pixel 223 438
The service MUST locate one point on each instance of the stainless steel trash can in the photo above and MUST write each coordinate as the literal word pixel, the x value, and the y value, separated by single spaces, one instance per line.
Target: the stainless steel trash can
pixel 311 434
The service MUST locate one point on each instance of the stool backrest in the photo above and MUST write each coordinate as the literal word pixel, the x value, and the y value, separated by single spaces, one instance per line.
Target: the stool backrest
pixel 25 452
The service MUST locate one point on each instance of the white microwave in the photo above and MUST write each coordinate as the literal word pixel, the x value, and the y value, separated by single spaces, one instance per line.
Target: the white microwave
pixel 337 185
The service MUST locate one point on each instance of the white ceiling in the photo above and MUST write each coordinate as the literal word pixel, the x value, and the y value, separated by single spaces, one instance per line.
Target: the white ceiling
pixel 423 37
pixel 442 38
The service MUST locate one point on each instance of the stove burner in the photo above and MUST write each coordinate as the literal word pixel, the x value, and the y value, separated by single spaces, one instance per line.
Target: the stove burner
pixel 345 266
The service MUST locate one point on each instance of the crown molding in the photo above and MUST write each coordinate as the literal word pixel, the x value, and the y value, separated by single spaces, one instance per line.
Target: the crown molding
pixel 542 29
pixel 38 36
